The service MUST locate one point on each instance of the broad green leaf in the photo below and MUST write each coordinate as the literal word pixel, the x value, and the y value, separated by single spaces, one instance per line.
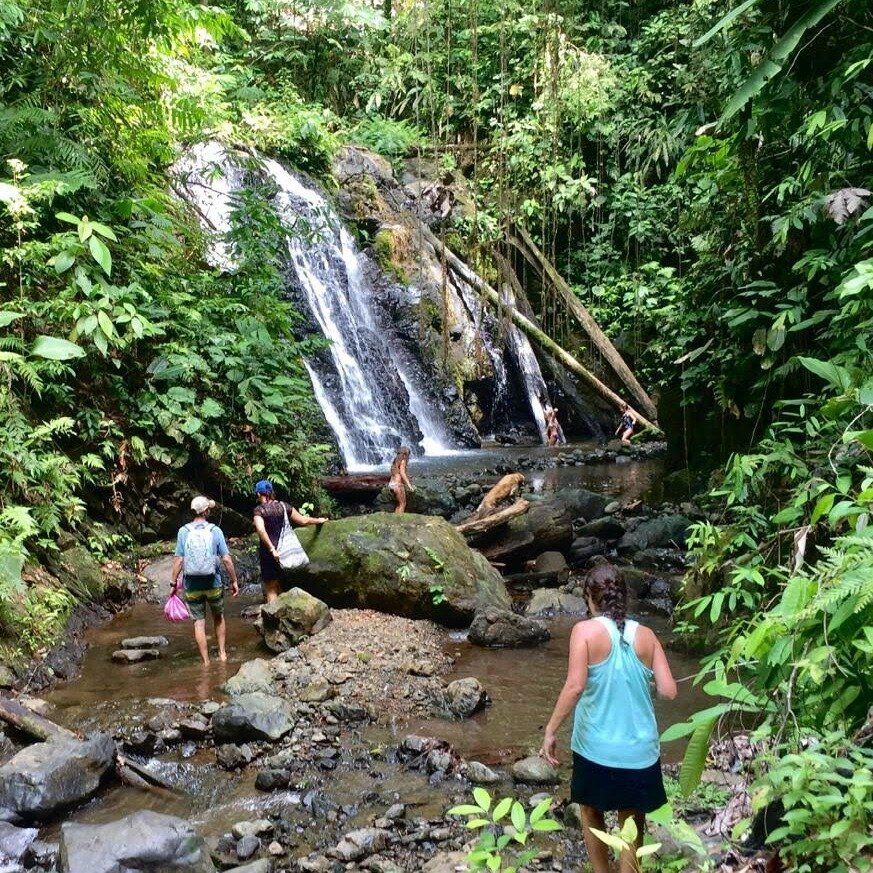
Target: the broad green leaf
pixel 104 231
pixel 822 507
pixel 54 348
pixel 540 810
pixel 772 64
pixel 474 823
pixel 518 816
pixel 723 23
pixel 101 254
pixel 835 375
pixel 610 840
pixel 662 815
pixel 67 217
pixel 546 824
pixel 7 316
pixel 464 809
pixel 85 229
pixel 63 261
pixel 106 324
pixel 648 849
pixel 865 437
pixel 695 757
pixel 501 809
pixel 776 339
pixel 629 831
pixel 483 798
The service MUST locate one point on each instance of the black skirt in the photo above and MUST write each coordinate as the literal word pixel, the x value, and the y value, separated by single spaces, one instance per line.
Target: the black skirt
pixel 608 788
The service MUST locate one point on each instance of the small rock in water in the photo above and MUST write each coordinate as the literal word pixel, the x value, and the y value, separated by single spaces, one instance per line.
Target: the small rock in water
pixel 145 643
pixel 231 756
pixel 534 770
pixel 262 865
pixel 359 844
pixel 210 708
pixel 480 774
pixel 247 847
pixel 270 780
pixel 195 728
pixel 256 828
pixel 134 656
pixel 502 628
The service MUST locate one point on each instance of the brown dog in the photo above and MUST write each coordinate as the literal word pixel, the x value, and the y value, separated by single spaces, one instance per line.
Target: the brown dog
pixel 503 490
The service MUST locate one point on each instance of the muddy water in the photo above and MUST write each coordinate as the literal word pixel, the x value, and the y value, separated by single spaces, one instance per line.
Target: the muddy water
pixel 523 686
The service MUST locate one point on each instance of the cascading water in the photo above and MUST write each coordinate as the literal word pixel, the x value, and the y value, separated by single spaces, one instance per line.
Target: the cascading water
pixel 368 397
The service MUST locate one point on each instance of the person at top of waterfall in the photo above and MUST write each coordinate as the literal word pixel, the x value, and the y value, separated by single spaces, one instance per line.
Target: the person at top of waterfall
pixel 615 744
pixel 399 479
pixel 269 519
pixel 200 546
pixel 626 425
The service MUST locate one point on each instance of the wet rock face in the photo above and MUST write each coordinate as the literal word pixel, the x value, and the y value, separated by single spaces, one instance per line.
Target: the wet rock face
pixel 254 675
pixel 253 716
pixel 14 842
pixel 291 618
pixel 45 778
pixel 655 533
pixel 396 563
pixel 499 628
pixel 145 841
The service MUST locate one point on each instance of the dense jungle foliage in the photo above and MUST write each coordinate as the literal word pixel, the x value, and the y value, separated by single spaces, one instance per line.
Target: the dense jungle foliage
pixel 698 171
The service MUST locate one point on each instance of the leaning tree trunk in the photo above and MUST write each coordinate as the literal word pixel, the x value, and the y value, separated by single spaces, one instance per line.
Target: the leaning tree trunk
pixel 542 339
pixel 610 353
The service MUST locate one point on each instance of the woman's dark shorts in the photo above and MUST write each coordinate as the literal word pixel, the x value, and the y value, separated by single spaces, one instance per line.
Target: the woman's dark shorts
pixel 270 569
pixel 608 788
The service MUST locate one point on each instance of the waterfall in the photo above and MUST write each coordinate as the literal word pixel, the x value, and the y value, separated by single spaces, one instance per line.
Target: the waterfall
pixel 368 398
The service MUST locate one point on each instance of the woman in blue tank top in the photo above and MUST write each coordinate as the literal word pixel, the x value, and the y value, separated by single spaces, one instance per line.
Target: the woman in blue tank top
pixel 616 751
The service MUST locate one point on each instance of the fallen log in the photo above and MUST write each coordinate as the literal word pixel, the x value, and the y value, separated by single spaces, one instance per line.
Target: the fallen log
pixel 542 339
pixel 366 484
pixel 476 526
pixel 586 321
pixel 30 723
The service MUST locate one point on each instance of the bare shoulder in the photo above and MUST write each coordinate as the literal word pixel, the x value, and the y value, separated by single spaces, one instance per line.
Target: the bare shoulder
pixel 645 644
pixel 588 629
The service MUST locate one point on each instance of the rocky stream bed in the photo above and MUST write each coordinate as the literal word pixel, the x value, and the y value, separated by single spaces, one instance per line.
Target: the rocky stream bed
pixel 335 739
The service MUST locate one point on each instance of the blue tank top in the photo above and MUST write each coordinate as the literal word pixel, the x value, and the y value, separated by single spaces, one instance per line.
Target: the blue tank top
pixel 614 722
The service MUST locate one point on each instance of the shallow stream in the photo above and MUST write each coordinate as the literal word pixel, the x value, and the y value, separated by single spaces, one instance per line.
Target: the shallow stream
pixel 522 684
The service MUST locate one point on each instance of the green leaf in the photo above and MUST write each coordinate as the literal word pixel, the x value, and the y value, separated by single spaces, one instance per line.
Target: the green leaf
pixel 610 840
pixel 518 816
pixel 7 316
pixel 649 849
pixel 483 798
pixel 723 23
pixel 104 231
pixel 822 507
pixel 865 437
pixel 540 810
pixel 67 217
pixel 54 348
pixel 464 809
pixel 85 229
pixel 835 375
pixel 695 757
pixel 62 261
pixel 546 824
pixel 772 64
pixel 101 254
pixel 501 809
pixel 106 324
pixel 474 823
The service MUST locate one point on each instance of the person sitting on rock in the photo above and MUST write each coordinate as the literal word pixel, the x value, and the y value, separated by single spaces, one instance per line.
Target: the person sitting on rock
pixel 627 425
pixel 399 481
pixel 269 519
pixel 615 742
pixel 200 546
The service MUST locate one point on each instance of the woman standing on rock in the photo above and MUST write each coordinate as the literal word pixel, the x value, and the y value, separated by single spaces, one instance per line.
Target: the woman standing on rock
pixel 399 481
pixel 616 750
pixel 269 519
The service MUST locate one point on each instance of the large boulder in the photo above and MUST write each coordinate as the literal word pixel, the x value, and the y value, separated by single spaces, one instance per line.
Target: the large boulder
pixel 430 497
pixel 144 842
pixel 550 601
pixel 500 628
pixel 668 530
pixel 292 617
pixel 45 778
pixel 253 716
pixel 400 564
pixel 546 526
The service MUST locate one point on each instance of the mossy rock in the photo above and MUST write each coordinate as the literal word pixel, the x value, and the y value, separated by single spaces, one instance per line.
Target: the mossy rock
pixel 399 564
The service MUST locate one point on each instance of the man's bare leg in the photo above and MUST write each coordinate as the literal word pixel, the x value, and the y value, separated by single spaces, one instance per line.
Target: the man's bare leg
pixel 200 638
pixel 220 635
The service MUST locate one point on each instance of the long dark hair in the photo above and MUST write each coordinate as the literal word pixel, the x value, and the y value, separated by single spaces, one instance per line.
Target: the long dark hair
pixel 606 586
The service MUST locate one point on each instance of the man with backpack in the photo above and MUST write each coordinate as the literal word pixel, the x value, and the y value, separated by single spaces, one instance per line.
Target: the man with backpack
pixel 200 546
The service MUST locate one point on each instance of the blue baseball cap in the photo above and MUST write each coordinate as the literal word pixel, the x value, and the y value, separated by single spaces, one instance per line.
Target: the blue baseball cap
pixel 265 486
